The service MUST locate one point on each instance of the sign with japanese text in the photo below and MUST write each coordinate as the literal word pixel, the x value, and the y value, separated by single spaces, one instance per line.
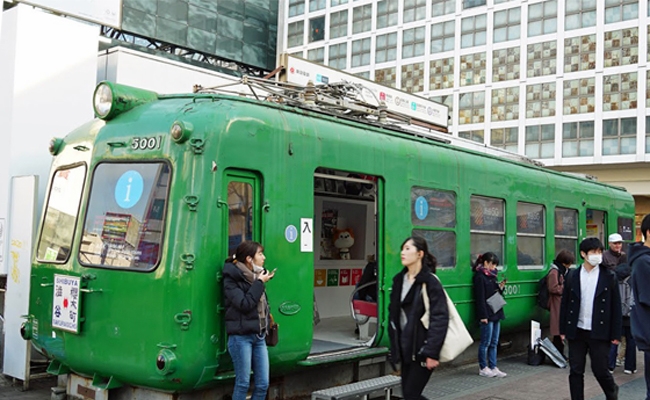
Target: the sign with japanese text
pixel 65 307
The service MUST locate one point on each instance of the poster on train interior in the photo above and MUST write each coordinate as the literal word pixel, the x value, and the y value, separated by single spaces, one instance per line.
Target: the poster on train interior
pixel 66 303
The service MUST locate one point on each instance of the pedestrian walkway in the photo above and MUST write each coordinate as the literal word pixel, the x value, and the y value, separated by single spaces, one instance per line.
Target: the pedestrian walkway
pixel 524 382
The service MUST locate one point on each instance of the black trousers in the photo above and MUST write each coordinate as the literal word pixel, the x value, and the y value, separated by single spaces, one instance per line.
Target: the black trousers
pixel 599 354
pixel 414 379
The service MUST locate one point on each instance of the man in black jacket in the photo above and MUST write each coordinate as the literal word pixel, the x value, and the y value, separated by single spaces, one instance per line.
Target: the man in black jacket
pixel 640 313
pixel 590 318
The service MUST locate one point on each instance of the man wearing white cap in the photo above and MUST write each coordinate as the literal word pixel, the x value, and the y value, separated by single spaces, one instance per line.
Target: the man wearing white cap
pixel 614 256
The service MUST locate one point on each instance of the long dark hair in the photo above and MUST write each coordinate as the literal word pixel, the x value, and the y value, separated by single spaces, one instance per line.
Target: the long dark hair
pixel 421 244
pixel 485 257
pixel 247 248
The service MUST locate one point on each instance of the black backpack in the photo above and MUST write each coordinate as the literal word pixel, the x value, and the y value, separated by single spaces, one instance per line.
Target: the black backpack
pixel 542 293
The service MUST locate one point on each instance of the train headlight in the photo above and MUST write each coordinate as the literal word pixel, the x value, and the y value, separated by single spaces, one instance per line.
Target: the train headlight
pixel 166 362
pixel 26 330
pixel 56 144
pixel 111 99
pixel 181 131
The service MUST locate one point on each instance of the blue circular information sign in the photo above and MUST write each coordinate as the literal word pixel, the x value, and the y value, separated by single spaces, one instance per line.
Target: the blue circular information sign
pixel 421 208
pixel 291 233
pixel 128 189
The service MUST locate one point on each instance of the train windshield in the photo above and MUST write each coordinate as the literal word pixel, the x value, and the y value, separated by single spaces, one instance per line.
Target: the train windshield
pixel 125 216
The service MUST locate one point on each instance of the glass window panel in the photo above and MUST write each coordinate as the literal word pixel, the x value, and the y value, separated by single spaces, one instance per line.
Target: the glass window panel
pixel 566 244
pixel 530 250
pixel 628 126
pixel 566 222
pixel 586 148
pixel 570 149
pixel 481 243
pixel 487 214
pixel 530 218
pixel 442 244
pixel 548 150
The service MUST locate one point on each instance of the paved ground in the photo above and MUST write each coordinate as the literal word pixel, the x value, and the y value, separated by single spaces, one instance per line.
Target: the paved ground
pixel 524 382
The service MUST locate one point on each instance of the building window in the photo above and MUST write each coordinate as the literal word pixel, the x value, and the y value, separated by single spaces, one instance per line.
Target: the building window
pixel 442 37
pixel 363 74
pixel 338 24
pixel 360 52
pixel 335 3
pixel 387 13
pixel 505 104
pixel 566 230
pixel 413 78
pixel 542 18
pixel 505 64
pixel 315 5
pixel 542 59
pixel 441 73
pixel 413 42
pixel 471 108
pixel 338 56
pixel 386 76
pixel 531 234
pixel 476 136
pixel 447 100
pixel 580 53
pixel 472 69
pixel 647 135
pixel 473 3
pixel 578 139
pixel 619 136
pixel 620 91
pixel 540 141
pixel 386 48
pixel 362 19
pixel 507 24
pixel 505 138
pixel 473 31
pixel 414 10
pixel 579 96
pixel 316 55
pixel 647 91
pixel 540 100
pixel 296 7
pixel 487 226
pixel 295 34
pixel 621 47
pixel 580 14
pixel 621 10
pixel 501 1
pixel 443 7
pixel 317 29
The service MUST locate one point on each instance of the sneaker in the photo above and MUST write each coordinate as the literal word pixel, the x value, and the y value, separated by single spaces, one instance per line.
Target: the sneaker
pixel 498 374
pixel 629 372
pixel 619 362
pixel 486 372
pixel 611 371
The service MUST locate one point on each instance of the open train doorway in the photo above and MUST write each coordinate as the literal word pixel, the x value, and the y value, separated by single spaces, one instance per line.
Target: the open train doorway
pixel 345 260
pixel 597 224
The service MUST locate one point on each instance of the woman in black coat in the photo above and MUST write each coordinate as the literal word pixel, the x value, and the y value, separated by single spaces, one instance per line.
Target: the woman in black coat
pixel 247 318
pixel 416 348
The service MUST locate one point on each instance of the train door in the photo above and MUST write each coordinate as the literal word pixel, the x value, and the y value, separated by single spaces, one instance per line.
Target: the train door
pixel 345 260
pixel 597 224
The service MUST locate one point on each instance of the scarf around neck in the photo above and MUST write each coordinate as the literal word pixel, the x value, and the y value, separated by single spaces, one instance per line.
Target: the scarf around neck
pixel 262 305
pixel 489 273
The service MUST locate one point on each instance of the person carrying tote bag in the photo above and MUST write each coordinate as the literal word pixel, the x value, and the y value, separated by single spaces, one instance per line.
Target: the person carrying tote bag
pixel 485 287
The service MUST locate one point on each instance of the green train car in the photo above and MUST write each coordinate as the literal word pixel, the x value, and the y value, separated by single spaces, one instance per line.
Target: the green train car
pixel 146 201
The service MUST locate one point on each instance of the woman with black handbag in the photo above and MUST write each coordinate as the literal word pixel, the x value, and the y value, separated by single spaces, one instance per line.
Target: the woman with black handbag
pixel 247 318
pixel 415 347
pixel 489 311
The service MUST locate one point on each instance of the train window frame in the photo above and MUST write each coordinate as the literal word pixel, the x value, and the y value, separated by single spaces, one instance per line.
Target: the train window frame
pixel 440 235
pixel 528 232
pixel 47 208
pixel 563 234
pixel 162 213
pixel 254 208
pixel 493 231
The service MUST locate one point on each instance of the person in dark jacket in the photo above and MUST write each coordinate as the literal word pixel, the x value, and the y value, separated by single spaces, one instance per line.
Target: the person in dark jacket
pixel 640 313
pixel 627 300
pixel 555 283
pixel 417 349
pixel 486 285
pixel 247 318
pixel 590 318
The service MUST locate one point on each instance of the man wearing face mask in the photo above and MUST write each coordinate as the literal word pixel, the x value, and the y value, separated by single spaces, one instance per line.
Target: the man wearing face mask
pixel 590 318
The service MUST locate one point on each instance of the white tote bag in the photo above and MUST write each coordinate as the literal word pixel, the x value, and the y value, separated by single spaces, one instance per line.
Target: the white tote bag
pixel 458 338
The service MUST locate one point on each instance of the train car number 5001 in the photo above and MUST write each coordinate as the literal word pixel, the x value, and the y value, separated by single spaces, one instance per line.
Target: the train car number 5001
pixel 146 143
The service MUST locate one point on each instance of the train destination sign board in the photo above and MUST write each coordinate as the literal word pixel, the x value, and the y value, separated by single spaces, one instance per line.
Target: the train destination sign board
pixel 65 304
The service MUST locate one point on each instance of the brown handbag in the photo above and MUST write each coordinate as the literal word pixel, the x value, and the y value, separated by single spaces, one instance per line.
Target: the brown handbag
pixel 272 332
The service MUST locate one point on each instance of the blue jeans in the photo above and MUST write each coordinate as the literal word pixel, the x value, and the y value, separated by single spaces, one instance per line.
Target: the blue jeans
pixel 489 341
pixel 249 352
pixel 630 351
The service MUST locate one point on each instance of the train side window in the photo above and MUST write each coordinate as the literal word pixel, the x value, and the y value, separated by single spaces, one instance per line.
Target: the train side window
pixel 125 218
pixel 435 211
pixel 487 226
pixel 241 215
pixel 531 234
pixel 61 214
pixel 566 230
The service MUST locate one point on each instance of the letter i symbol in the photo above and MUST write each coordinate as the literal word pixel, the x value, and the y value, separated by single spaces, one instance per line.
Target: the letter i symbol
pixel 128 190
